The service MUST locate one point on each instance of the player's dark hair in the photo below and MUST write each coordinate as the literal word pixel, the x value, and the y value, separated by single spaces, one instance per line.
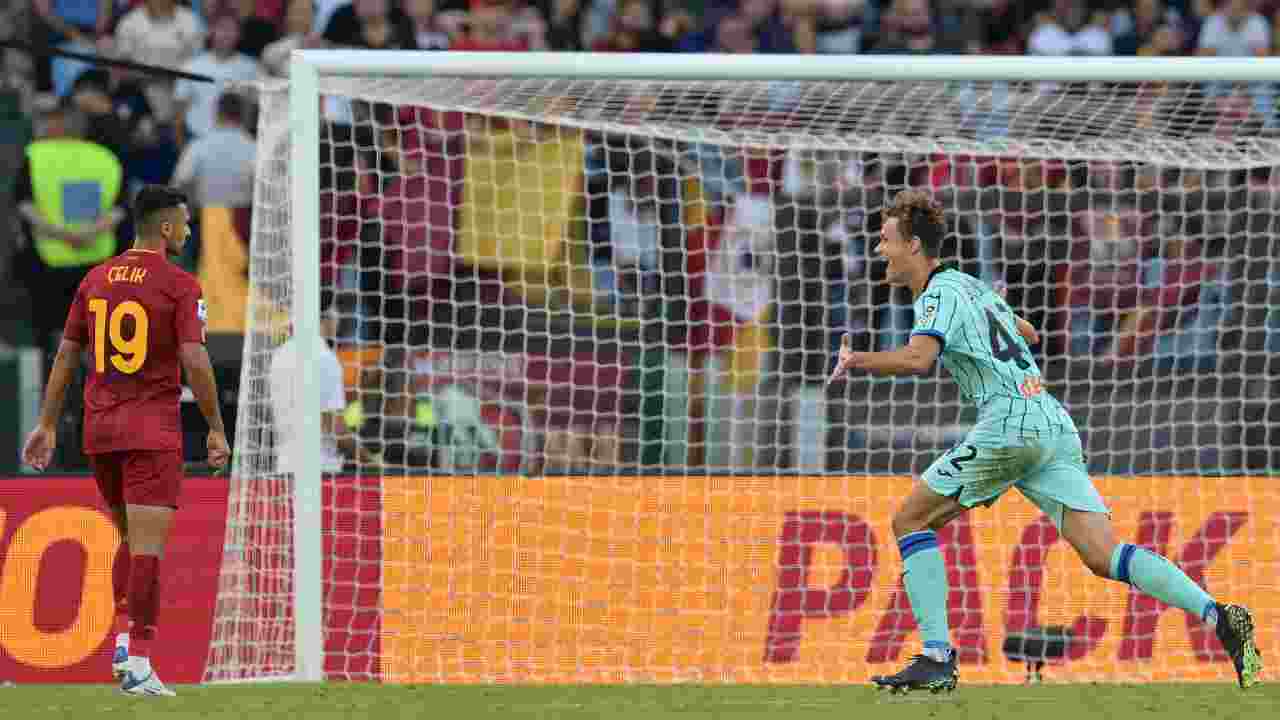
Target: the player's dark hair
pixel 154 198
pixel 921 216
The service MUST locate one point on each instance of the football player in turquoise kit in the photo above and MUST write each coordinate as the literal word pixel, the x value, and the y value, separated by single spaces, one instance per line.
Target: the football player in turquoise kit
pixel 1023 438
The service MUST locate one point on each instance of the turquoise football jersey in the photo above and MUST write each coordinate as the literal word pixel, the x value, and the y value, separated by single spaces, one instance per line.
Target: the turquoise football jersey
pixel 988 359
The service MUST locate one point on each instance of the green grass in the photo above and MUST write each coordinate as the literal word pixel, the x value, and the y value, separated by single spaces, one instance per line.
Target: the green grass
pixel 377 702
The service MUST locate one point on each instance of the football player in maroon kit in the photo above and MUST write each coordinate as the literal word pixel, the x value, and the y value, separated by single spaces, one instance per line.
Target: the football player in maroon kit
pixel 141 319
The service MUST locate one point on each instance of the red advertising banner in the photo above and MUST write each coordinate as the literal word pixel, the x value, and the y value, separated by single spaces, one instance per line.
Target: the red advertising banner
pixel 791 580
pixel 617 579
pixel 57 547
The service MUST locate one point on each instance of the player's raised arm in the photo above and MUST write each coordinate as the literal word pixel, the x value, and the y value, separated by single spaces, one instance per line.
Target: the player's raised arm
pixel 42 441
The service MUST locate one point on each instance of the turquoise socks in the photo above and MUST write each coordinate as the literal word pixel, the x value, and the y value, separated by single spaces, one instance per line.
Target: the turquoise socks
pixel 925 578
pixel 1162 580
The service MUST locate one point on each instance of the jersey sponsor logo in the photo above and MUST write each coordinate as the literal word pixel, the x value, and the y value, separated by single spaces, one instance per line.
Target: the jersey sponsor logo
pixel 1031 387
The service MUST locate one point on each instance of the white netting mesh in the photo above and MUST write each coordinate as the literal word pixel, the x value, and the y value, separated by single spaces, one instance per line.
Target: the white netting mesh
pixel 586 325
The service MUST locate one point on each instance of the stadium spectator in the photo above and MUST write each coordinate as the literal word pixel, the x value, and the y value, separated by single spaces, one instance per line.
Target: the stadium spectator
pixel 218 167
pixel 638 184
pixel 498 25
pixel 197 100
pixel 1070 29
pixel 634 29
pixel 907 27
pixel 734 35
pixel 69 196
pixel 995 27
pixel 371 24
pixel 1151 27
pixel 1235 30
pixel 836 26
pixel 259 24
pixel 747 27
pixel 1105 274
pixel 406 256
pixel 324 11
pixel 429 32
pixel 336 440
pixel 299 33
pixel 565 20
pixel 71 25
pixel 91 95
pixel 164 34
pixel 1172 291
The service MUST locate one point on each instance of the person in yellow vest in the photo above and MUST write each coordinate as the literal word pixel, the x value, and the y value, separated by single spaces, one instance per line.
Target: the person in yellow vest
pixel 69 196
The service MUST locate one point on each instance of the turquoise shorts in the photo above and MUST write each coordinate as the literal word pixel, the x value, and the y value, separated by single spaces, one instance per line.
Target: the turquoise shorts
pixel 1050 472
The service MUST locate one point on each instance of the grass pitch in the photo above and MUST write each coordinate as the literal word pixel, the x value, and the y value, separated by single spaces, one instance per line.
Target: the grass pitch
pixel 686 702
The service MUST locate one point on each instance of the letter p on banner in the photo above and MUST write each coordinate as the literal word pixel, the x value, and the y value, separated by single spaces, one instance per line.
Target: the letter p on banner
pixel 794 600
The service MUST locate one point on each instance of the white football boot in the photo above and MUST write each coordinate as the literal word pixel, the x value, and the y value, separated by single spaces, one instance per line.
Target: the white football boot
pixel 140 679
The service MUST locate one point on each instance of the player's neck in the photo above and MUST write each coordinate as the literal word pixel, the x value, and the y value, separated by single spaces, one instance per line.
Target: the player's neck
pixel 920 278
pixel 144 246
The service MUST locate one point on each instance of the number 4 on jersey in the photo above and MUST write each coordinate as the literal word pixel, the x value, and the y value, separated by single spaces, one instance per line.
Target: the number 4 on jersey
pixel 1003 346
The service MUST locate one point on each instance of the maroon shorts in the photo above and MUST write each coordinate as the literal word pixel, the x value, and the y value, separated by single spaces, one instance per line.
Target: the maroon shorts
pixel 139 477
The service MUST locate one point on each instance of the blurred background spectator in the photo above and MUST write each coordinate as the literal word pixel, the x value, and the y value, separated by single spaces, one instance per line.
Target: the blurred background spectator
pixel 164 34
pixel 197 102
pixel 299 33
pixel 371 24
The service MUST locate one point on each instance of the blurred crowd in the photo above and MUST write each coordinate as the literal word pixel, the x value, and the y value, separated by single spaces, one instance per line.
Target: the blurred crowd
pixel 1118 262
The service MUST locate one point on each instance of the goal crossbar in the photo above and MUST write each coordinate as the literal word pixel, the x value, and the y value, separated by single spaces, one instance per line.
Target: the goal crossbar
pixel 885 68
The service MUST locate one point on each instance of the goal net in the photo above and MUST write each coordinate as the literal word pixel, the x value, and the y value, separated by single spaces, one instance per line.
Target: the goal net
pixel 582 326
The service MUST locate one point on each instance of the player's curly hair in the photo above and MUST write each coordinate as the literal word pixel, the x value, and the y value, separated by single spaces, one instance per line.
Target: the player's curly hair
pixel 920 215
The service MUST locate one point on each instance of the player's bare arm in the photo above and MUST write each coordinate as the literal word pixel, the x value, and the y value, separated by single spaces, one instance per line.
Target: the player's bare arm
pixel 199 372
pixel 42 441
pixel 917 357
pixel 1026 330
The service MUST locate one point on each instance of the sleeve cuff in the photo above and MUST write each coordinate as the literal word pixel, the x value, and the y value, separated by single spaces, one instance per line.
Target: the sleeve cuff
pixel 936 335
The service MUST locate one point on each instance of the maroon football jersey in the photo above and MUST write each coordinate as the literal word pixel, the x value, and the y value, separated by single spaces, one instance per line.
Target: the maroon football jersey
pixel 132 314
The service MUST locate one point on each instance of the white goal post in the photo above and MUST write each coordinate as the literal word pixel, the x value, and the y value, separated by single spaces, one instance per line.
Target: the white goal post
pixel 242 626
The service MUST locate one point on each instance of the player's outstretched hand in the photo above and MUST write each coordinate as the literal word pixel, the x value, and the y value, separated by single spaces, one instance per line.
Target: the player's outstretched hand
pixel 1028 332
pixel 844 360
pixel 38 451
pixel 219 452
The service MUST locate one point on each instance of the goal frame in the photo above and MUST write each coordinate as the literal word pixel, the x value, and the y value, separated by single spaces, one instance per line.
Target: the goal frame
pixel 308 66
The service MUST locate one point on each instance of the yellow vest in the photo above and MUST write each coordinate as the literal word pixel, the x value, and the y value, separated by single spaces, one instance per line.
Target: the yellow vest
pixel 74 182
